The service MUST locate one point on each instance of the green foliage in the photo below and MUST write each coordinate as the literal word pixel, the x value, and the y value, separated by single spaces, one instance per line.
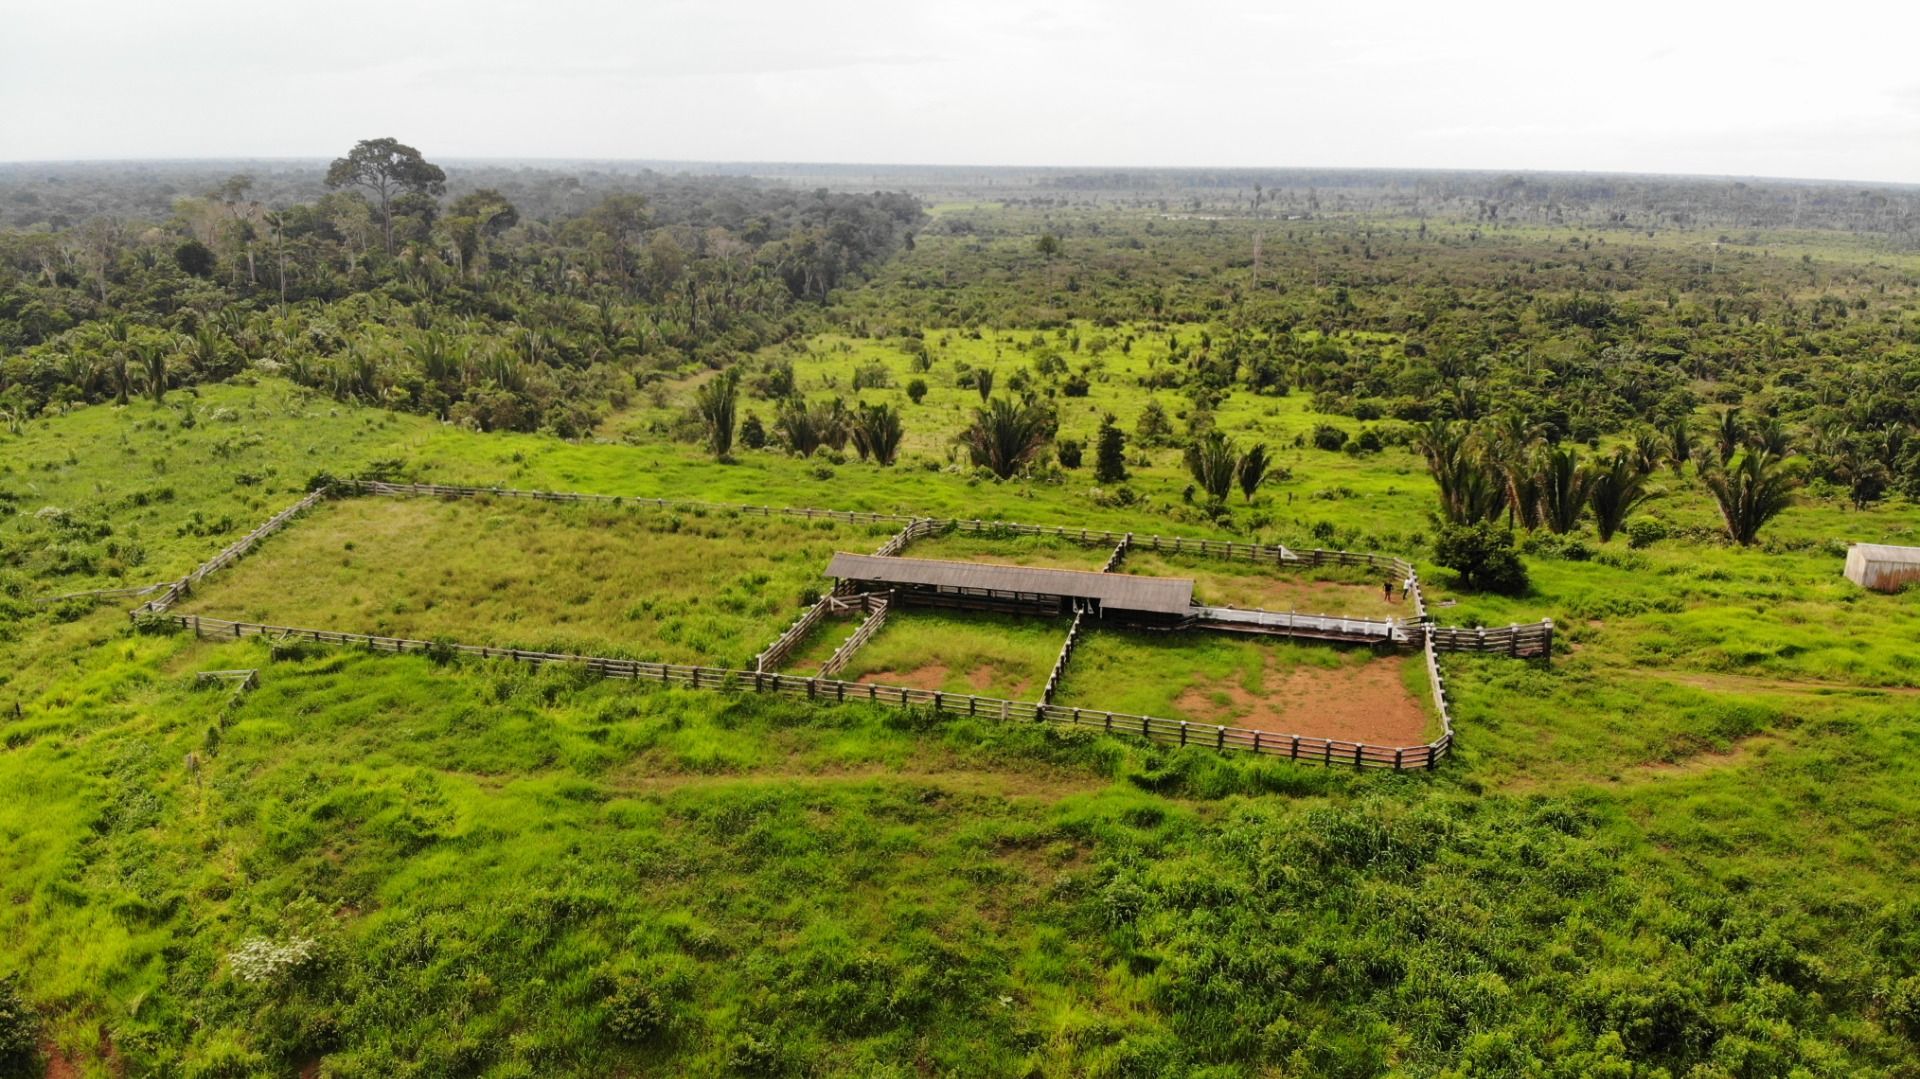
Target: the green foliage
pixel 1614 489
pixel 1326 436
pixel 1210 461
pixel 1110 452
pixel 1755 490
pixel 1007 435
pixel 1483 555
pixel 877 433
pixel 19 1032
pixel 715 403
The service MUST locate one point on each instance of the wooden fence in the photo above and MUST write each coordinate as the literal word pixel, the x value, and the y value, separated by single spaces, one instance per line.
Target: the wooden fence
pixel 1519 641
pixel 233 553
pixel 104 593
pixel 1535 639
pixel 877 607
pixel 1066 653
pixel 1153 728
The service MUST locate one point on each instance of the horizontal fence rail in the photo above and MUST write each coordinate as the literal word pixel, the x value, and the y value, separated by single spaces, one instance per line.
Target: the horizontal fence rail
pixel 877 607
pixel 1306 625
pixel 1519 641
pixel 1066 653
pixel 1153 728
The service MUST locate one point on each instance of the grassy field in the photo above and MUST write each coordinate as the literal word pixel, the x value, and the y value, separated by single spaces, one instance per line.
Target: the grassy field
pixel 1344 590
pixel 988 655
pixel 639 583
pixel 1264 683
pixel 1684 846
pixel 1009 550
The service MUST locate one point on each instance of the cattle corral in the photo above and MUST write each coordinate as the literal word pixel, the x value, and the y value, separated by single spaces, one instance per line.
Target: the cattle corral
pixel 1002 645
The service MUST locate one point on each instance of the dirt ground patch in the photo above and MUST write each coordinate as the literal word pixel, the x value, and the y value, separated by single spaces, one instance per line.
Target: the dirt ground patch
pixel 1366 703
pixel 931 676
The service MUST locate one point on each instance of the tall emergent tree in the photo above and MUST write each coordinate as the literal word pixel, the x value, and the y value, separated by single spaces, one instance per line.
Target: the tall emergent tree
pixel 715 402
pixel 391 170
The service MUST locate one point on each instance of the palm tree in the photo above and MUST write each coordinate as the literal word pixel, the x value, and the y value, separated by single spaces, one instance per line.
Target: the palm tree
pixel 153 363
pixel 1613 490
pixel 1751 492
pixel 1729 434
pixel 1211 461
pixel 983 381
pixel 1647 451
pixel 1679 435
pixel 715 402
pixel 1563 490
pixel 1006 436
pixel 877 433
pixel 1771 436
pixel 1252 470
pixel 796 425
pixel 118 348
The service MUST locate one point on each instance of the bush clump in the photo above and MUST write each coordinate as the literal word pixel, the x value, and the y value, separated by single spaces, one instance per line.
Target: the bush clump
pixel 1483 555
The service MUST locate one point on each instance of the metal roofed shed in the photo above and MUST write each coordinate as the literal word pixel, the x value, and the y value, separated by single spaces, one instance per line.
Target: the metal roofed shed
pixel 1883 567
pixel 1017 587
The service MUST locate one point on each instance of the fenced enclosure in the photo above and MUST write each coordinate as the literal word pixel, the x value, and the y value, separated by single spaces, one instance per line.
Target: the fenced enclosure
pixel 1153 728
pixel 1517 641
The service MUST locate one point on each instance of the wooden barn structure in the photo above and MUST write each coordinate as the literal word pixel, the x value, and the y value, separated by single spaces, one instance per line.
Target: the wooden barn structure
pixel 929 582
pixel 1883 567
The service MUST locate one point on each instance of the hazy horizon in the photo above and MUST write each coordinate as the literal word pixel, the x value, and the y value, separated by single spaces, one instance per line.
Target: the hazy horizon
pixel 1652 89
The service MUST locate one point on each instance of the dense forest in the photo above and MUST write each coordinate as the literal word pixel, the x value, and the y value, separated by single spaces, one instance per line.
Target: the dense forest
pixel 524 305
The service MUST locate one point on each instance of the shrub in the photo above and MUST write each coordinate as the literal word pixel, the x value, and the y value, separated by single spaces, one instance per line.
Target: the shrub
pixel 917 390
pixel 1645 532
pixel 1483 555
pixel 637 1012
pixel 1069 451
pixel 753 433
pixel 1328 437
pixel 19 1032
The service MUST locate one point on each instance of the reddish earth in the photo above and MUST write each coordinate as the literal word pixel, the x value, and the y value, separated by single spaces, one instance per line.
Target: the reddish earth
pixel 934 676
pixel 1364 703
pixel 931 676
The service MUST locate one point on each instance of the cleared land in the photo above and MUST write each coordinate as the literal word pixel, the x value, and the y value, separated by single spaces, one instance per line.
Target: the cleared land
pixel 680 588
pixel 1347 590
pixel 984 654
pixel 1051 552
pixel 1254 682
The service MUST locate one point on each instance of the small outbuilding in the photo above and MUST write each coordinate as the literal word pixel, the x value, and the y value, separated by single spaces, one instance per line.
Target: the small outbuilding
pixel 1883 567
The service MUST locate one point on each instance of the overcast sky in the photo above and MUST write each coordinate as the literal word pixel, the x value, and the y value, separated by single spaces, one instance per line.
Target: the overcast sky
pixel 1826 90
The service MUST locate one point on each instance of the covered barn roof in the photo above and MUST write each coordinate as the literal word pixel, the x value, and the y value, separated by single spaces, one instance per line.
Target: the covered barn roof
pixel 1119 591
pixel 1885 552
